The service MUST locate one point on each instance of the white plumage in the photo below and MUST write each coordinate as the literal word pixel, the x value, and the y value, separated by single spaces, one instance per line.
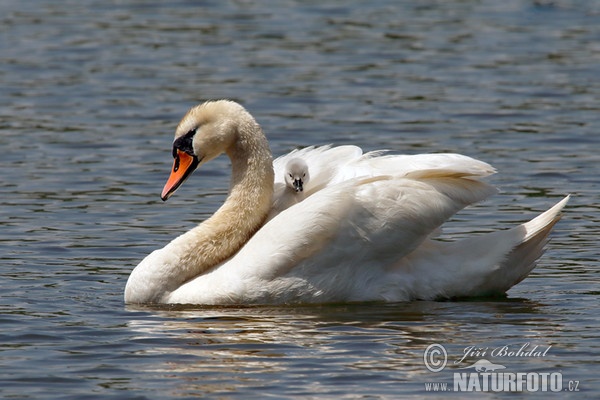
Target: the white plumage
pixel 361 232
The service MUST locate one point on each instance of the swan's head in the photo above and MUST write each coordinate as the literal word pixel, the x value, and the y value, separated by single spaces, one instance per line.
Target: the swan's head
pixel 205 132
pixel 296 174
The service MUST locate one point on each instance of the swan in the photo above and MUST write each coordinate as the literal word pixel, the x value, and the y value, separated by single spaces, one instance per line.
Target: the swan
pixel 364 231
pixel 296 174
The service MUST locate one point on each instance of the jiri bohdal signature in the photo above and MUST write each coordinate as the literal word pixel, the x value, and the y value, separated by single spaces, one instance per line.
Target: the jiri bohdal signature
pixel 512 350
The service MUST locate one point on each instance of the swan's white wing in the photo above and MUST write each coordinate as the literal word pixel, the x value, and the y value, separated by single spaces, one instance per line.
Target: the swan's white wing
pixel 333 165
pixel 323 163
pixel 387 217
pixel 345 233
pixel 413 166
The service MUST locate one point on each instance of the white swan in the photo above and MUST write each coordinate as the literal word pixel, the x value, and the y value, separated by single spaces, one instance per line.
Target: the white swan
pixel 296 176
pixel 362 233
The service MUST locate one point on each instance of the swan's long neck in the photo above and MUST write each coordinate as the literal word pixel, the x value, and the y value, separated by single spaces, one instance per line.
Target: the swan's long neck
pixel 224 233
pixel 243 212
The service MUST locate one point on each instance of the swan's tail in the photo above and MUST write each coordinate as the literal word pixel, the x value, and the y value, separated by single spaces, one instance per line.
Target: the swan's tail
pixel 489 264
pixel 523 257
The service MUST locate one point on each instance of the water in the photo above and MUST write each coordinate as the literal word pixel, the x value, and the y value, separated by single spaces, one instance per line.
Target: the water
pixel 92 91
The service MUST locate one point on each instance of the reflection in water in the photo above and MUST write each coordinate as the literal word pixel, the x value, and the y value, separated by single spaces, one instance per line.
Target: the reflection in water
pixel 215 350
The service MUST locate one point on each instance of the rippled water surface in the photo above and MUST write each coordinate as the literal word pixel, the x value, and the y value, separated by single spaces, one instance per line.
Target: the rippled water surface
pixel 92 91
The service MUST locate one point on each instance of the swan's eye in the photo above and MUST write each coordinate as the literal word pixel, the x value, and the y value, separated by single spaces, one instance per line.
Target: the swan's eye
pixel 185 143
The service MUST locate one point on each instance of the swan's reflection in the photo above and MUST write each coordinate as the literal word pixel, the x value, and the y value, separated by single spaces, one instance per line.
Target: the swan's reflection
pixel 221 349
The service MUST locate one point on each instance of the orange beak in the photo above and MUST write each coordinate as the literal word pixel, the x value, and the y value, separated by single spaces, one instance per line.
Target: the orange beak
pixel 183 166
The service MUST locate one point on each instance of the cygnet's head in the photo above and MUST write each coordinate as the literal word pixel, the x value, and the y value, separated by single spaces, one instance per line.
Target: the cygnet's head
pixel 296 174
